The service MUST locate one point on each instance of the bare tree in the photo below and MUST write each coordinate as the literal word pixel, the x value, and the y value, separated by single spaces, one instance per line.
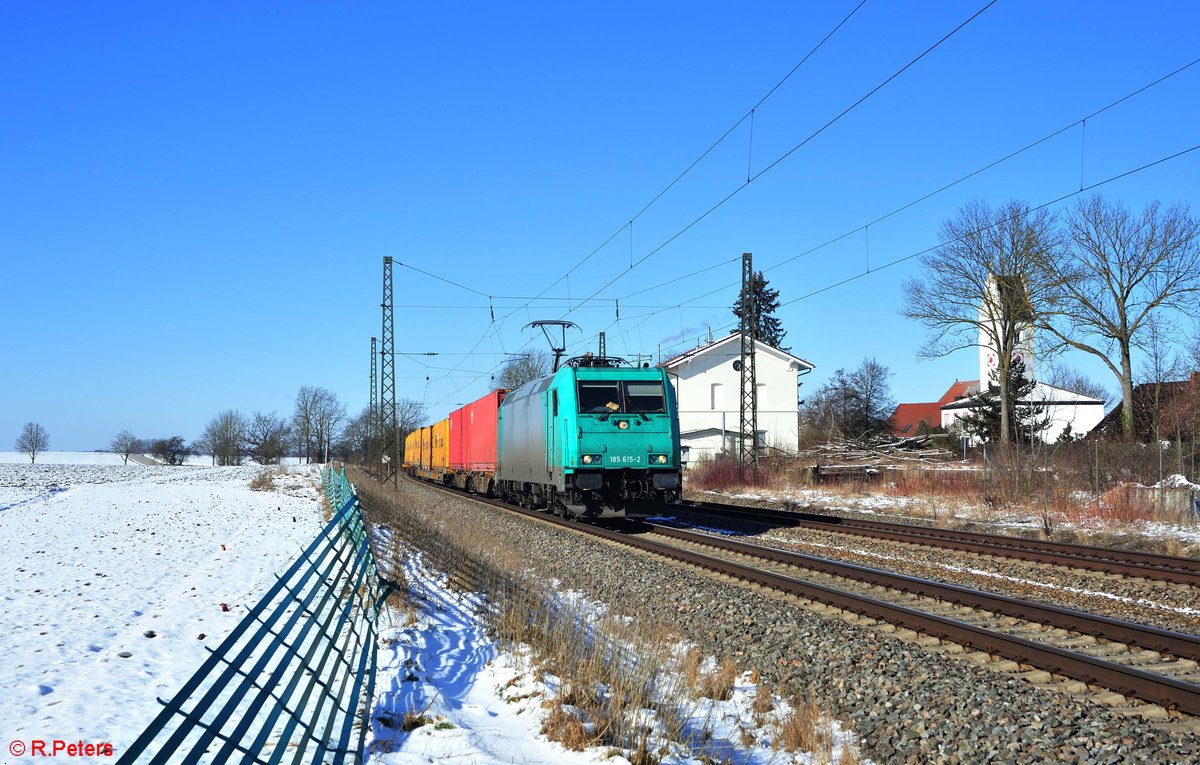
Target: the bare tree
pixel 267 438
pixel 303 421
pixel 125 444
pixel 357 437
pixel 874 393
pixel 521 369
pixel 1075 381
pixel 1121 270
pixel 851 404
pixel 410 415
pixel 225 435
pixel 360 441
pixel 1194 350
pixel 33 439
pixel 328 414
pixel 171 451
pixel 985 285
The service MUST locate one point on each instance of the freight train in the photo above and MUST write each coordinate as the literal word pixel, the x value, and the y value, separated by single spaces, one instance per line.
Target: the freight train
pixel 595 439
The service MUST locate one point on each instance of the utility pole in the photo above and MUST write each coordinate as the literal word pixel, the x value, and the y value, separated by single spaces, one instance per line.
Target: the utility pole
pixel 749 399
pixel 390 459
pixel 373 412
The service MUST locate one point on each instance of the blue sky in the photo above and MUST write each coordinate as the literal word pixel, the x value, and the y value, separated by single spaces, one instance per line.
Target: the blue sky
pixel 195 200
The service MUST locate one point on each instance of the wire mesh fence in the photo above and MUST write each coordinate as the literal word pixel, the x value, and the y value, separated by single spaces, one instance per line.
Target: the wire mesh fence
pixel 290 682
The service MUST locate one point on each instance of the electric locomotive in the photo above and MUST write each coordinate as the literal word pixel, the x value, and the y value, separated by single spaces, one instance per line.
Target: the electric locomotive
pixel 595 439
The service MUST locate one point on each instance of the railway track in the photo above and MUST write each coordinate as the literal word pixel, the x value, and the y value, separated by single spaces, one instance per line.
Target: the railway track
pixel 1148 566
pixel 1154 665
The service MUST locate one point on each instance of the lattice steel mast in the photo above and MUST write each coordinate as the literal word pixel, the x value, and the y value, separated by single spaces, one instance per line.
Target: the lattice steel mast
pixel 748 451
pixel 390 458
pixel 373 411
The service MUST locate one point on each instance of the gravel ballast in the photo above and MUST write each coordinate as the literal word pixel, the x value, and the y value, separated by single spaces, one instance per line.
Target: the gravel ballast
pixel 1158 604
pixel 906 702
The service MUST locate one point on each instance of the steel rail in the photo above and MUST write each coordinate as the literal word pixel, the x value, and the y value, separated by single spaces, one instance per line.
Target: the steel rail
pixel 1178 644
pixel 1158 689
pixel 1165 568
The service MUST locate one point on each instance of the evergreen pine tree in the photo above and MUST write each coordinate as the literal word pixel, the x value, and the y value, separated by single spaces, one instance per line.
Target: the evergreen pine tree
pixel 766 327
pixel 1028 419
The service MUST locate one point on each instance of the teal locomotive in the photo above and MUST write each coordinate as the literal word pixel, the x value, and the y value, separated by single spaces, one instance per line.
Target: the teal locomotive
pixel 595 439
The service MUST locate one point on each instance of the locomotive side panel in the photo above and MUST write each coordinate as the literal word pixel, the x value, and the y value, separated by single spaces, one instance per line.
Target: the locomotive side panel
pixel 521 443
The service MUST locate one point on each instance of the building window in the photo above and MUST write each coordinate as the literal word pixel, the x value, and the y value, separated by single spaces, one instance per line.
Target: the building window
pixel 718 397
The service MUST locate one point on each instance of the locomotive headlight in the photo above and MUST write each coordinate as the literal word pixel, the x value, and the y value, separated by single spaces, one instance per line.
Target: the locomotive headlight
pixel 592 459
pixel 622 424
pixel 658 459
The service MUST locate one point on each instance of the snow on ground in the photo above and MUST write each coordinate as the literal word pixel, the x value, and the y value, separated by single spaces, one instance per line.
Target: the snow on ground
pixel 486 706
pixel 115 580
pixel 104 458
pixel 62 458
pixel 923 509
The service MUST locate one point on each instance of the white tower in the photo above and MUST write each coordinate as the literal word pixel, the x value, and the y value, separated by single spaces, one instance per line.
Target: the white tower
pixel 990 327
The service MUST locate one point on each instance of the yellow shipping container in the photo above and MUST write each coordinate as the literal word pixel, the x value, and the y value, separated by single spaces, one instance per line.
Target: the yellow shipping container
pixel 440 447
pixel 412 449
pixel 423 447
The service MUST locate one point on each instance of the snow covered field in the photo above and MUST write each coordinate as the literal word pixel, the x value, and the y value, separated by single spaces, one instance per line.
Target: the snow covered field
pixel 62 458
pixel 115 580
pixel 104 458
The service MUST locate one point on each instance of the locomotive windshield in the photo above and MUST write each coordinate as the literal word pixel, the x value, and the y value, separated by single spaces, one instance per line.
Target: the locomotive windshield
pixel 614 397
pixel 644 397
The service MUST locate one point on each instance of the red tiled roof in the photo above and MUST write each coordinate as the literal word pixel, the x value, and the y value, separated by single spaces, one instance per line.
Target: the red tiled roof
pixel 960 389
pixel 907 418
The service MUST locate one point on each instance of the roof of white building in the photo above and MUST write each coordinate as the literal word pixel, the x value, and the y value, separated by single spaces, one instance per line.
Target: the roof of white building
pixel 1042 394
pixel 734 340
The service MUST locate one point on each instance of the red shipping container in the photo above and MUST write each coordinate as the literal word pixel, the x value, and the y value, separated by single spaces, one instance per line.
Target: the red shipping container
pixel 473 434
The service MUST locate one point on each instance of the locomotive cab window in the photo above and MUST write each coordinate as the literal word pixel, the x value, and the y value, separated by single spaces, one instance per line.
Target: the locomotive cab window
pixel 644 397
pixel 615 397
pixel 599 396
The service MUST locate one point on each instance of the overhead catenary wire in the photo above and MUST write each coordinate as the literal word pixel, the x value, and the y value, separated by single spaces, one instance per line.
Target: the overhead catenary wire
pixel 774 163
pixel 668 187
pixel 755 176
pixel 891 263
pixel 931 248
pixel 924 197
pixel 687 170
pixel 1080 122
pixel 635 321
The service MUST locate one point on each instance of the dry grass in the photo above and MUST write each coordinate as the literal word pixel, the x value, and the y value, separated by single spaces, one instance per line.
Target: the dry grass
pixel 602 676
pixel 801 730
pixel 764 701
pixel 726 475
pixel 718 684
pixel 689 666
pixel 566 728
pixel 264 481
